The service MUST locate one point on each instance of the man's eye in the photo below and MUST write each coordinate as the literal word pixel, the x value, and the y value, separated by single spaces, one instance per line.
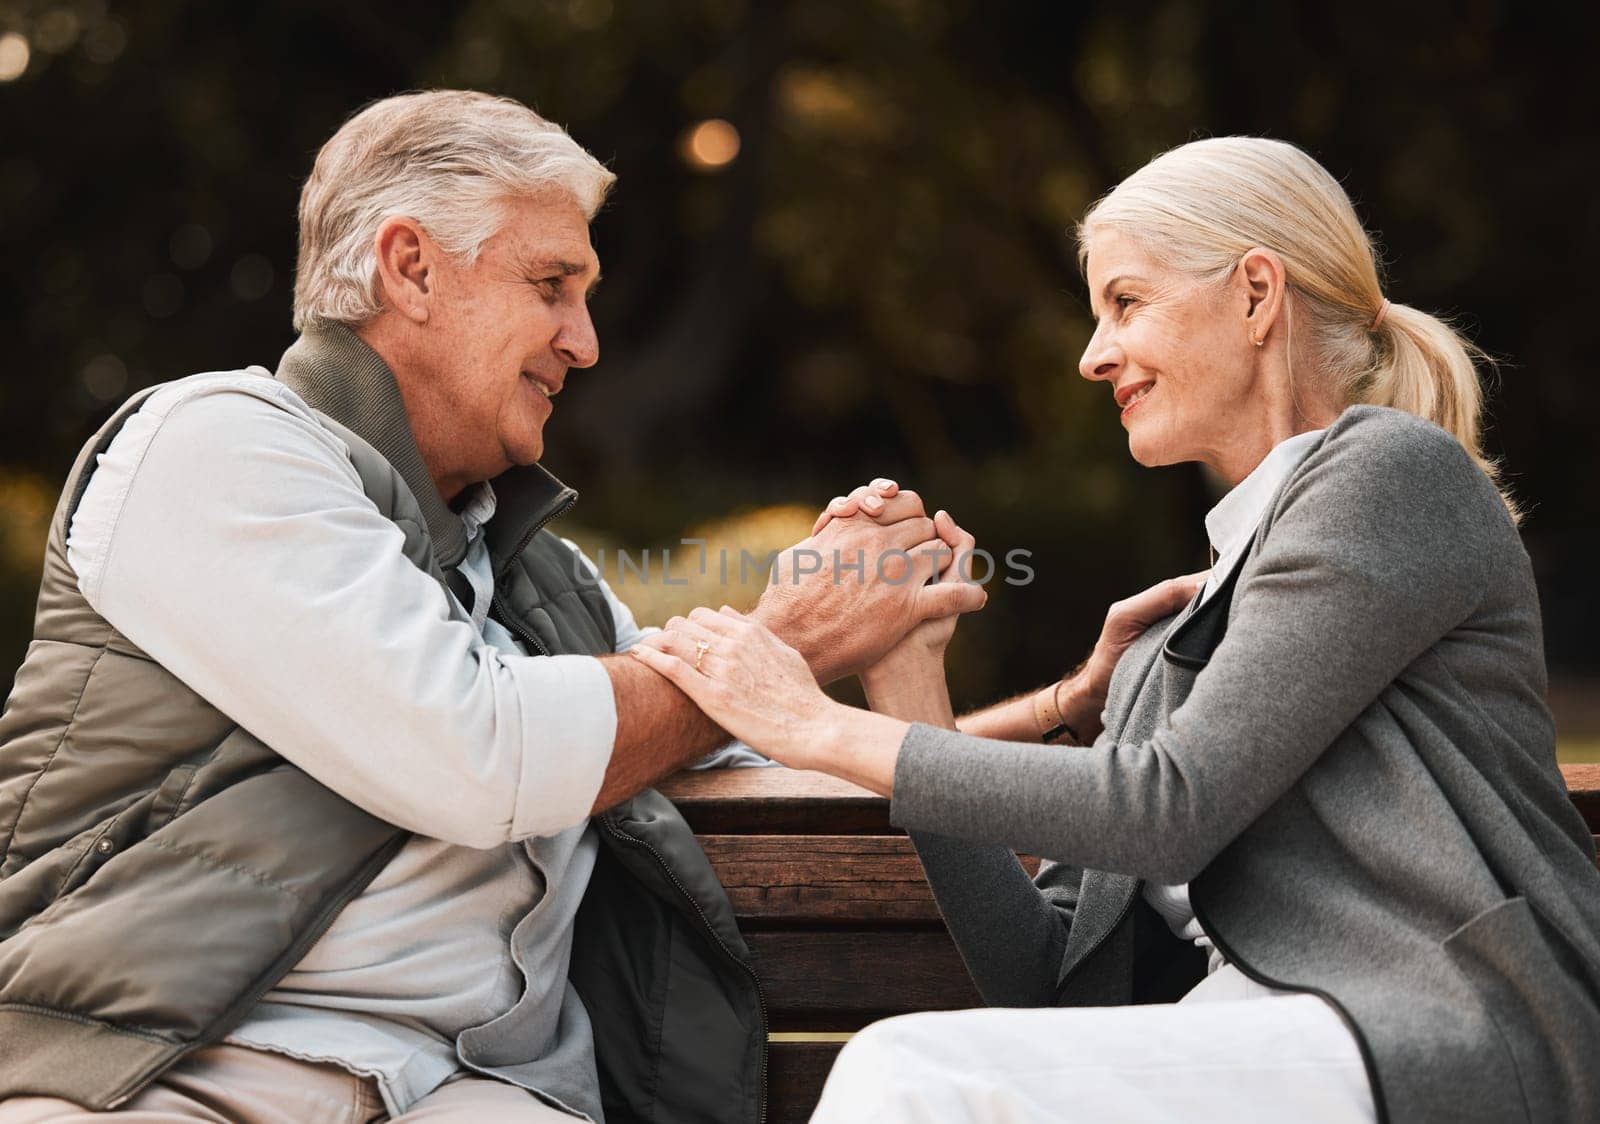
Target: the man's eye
pixel 549 287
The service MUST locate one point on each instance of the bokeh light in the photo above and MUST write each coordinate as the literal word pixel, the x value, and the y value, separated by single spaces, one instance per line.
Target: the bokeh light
pixel 251 278
pixel 189 246
pixel 711 145
pixel 14 55
pixel 105 377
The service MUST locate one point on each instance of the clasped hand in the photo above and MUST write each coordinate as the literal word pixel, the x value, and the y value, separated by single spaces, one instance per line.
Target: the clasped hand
pixel 877 583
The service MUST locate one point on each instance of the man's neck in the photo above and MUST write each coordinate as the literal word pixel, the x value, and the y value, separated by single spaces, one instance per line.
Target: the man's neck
pixel 429 418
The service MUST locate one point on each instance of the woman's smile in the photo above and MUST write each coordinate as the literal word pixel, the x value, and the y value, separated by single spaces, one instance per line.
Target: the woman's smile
pixel 1131 396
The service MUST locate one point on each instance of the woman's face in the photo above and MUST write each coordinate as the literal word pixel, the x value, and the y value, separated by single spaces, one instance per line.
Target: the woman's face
pixel 1178 357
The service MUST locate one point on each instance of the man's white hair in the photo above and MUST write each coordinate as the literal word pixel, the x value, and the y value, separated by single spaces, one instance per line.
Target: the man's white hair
pixel 448 159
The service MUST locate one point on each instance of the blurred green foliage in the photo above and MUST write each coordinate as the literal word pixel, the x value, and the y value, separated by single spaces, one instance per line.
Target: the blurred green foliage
pixel 882 281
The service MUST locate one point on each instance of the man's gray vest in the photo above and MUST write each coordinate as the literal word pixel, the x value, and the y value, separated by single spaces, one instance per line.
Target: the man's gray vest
pixel 161 868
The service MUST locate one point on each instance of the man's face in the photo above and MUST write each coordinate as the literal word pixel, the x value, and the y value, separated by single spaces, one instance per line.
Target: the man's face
pixel 503 333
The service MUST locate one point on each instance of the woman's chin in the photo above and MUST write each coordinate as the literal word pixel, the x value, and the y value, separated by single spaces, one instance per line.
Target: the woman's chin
pixel 1146 452
pixel 1150 451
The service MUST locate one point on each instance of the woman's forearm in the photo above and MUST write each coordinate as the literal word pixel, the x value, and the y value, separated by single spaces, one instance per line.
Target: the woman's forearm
pixel 864 746
pixel 1010 721
pixel 854 745
pixel 1017 719
pixel 913 692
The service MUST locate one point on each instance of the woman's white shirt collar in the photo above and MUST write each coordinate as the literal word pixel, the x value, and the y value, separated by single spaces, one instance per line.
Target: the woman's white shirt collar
pixel 1233 521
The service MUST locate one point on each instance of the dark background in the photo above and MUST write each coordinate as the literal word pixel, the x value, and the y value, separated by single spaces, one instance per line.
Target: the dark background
pixel 882 281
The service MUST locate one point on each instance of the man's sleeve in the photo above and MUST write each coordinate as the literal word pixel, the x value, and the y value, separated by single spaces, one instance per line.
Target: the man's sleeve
pixel 226 533
pixel 730 755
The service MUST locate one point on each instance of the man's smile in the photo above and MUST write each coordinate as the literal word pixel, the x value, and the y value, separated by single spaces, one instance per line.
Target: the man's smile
pixel 546 385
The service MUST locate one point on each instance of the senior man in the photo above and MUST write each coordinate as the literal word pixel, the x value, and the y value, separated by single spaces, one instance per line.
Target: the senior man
pixel 321 795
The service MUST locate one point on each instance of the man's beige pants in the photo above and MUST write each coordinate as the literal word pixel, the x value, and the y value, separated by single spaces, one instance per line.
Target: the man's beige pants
pixel 235 1085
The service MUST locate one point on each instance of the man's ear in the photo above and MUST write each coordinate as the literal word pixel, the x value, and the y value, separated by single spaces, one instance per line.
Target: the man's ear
pixel 1265 281
pixel 405 267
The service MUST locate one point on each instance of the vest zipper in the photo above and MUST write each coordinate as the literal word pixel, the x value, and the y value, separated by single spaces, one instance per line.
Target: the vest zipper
pixel 498 603
pixel 761 999
pixel 1266 981
pixel 507 618
pixel 1127 908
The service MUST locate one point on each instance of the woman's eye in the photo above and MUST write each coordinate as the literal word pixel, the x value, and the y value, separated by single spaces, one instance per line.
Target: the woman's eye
pixel 1124 301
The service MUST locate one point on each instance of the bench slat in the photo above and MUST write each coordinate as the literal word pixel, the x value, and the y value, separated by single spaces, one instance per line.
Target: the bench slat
pixel 821 878
pixel 776 801
pixel 809 879
pixel 829 979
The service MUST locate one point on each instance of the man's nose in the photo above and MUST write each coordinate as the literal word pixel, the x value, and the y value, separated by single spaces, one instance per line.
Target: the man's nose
pixel 577 343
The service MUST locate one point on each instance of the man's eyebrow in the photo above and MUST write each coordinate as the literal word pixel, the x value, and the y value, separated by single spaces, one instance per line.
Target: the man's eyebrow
pixel 555 265
pixel 564 268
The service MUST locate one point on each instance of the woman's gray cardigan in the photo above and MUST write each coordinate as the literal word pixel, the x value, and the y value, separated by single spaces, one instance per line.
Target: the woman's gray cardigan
pixel 1352 763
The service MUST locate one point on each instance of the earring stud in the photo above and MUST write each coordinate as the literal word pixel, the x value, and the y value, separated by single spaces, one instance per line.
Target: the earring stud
pixel 1258 341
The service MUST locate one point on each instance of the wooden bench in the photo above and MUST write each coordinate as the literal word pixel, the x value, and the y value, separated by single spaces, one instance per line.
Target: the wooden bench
pixel 833 903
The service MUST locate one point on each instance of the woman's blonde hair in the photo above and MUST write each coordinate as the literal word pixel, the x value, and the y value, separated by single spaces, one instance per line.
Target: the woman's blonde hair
pixel 1199 207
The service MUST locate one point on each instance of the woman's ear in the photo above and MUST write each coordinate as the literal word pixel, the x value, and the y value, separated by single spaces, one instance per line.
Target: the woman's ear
pixel 405 273
pixel 1262 276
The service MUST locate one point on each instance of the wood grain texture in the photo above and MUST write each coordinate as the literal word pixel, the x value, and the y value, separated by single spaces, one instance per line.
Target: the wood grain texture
pixel 798 879
pixel 825 879
pixel 843 979
pixel 796 1072
pixel 776 801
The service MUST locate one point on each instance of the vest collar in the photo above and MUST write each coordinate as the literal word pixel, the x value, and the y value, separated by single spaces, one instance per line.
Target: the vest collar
pixel 336 373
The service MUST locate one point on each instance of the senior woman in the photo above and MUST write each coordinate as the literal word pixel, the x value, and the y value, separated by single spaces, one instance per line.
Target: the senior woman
pixel 1324 808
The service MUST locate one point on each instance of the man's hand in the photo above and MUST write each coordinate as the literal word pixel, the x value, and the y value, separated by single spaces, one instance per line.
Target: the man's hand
pixel 850 592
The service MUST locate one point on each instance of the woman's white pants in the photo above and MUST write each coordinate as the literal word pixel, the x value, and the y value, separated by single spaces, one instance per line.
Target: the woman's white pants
pixel 1231 1050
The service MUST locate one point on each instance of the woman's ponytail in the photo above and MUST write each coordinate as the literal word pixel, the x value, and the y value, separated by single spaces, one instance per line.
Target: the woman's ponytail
pixel 1426 367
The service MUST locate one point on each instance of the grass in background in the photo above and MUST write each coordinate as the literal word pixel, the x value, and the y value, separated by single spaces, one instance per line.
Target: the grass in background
pixel 1578 751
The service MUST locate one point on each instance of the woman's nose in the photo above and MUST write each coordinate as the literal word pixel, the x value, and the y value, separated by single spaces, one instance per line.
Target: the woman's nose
pixel 1100 358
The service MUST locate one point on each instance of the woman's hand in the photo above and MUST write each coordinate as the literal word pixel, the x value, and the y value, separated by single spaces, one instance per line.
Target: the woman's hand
pixel 869 499
pixel 1081 695
pixel 931 637
pixel 924 646
pixel 748 681
pixel 843 617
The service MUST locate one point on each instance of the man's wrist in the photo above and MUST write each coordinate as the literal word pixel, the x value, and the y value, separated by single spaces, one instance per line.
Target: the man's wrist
pixel 775 614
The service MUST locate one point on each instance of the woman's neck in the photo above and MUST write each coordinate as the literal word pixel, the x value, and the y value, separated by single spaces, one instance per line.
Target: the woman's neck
pixel 1239 457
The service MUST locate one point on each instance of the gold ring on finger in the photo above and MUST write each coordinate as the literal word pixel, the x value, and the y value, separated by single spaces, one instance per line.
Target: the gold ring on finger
pixel 701 647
